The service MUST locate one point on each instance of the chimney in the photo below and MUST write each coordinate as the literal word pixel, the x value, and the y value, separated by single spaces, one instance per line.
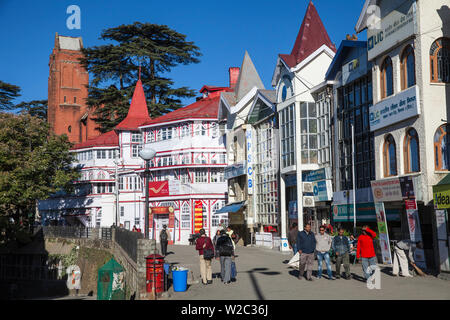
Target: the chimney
pixel 234 75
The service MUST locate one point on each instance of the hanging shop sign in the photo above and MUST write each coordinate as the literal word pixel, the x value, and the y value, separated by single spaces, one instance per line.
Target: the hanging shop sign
pixel 198 216
pixel 383 233
pixel 441 196
pixel 292 209
pixel 393 28
pixel 234 170
pixel 401 106
pixel 412 214
pixel 250 173
pixel 236 218
pixel 322 190
pixel 163 188
pixel 396 189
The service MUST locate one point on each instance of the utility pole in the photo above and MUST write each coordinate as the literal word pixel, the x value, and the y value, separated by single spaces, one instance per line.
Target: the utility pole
pixel 116 162
pixel 353 178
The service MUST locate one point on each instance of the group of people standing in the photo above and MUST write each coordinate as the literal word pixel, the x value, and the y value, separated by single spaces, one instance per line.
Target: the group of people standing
pixel 306 243
pixel 221 248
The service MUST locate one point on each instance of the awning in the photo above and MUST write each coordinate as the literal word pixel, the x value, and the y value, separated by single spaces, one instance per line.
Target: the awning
pixel 234 207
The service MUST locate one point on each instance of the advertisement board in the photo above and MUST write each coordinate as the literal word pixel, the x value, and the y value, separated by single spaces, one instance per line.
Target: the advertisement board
pixel 386 190
pixel 163 188
pixel 398 25
pixel 292 210
pixel 250 173
pixel 234 170
pixel 383 233
pixel 441 196
pixel 322 190
pixel 397 108
pixel 198 216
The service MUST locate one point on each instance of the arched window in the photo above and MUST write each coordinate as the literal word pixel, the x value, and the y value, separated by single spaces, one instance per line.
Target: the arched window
pixel 440 60
pixel 387 79
pixel 389 154
pixel 441 150
pixel 408 73
pixel 285 88
pixel 411 151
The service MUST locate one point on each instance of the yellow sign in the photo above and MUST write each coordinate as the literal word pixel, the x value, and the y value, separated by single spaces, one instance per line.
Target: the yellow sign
pixel 441 197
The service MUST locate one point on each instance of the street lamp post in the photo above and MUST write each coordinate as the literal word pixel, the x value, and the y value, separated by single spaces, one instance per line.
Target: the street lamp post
pixel 147 154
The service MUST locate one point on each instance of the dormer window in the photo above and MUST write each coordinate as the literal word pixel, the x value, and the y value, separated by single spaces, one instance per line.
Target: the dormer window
pixel 285 90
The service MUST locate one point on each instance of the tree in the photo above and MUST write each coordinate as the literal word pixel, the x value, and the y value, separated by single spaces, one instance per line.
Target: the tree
pixel 7 93
pixel 156 49
pixel 35 108
pixel 34 163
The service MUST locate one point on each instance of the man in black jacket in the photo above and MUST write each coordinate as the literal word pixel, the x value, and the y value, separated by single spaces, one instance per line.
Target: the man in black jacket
pixel 225 248
pixel 306 244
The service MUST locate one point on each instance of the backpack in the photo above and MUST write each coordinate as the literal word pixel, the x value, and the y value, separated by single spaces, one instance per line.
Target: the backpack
pixel 226 249
pixel 163 235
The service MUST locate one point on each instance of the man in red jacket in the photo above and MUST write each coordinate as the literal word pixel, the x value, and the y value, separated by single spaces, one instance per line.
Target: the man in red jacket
pixel 365 249
pixel 204 242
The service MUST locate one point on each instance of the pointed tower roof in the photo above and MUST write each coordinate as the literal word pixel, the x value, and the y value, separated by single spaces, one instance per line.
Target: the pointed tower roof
pixel 248 78
pixel 312 36
pixel 138 112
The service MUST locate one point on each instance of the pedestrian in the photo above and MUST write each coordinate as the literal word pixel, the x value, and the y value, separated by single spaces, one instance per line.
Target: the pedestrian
pixel 306 244
pixel 365 249
pixel 164 237
pixel 341 248
pixel 323 246
pixel 292 238
pixel 226 254
pixel 400 257
pixel 204 243
pixel 216 236
pixel 230 233
pixel 134 228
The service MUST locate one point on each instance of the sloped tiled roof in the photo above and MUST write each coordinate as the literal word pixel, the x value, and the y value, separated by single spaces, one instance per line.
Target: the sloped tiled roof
pixel 206 108
pixel 312 36
pixel 138 112
pixel 107 139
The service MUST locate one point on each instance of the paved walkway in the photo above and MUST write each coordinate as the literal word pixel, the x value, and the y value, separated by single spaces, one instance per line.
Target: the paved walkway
pixel 264 275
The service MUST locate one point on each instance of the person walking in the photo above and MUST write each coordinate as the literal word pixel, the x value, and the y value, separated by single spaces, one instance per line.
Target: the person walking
pixel 306 244
pixel 365 249
pixel 323 246
pixel 226 253
pixel 230 233
pixel 341 248
pixel 164 237
pixel 216 236
pixel 292 238
pixel 400 257
pixel 204 243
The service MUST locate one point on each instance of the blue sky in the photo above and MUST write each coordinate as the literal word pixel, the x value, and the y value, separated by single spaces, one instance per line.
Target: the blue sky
pixel 222 29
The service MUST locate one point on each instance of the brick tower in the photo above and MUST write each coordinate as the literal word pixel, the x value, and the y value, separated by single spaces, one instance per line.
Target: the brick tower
pixel 67 92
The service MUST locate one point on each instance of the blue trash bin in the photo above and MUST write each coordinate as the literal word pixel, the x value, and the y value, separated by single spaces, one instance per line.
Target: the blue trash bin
pixel 179 280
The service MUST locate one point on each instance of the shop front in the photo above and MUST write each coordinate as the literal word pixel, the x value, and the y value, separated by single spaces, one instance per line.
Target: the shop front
pixel 441 199
pixel 400 194
pixel 160 217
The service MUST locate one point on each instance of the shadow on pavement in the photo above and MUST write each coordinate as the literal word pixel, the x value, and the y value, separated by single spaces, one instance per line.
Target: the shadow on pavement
pixel 255 284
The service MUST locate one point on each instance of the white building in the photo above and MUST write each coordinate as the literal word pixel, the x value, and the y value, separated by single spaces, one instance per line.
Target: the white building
pixel 294 77
pixel 409 46
pixel 188 168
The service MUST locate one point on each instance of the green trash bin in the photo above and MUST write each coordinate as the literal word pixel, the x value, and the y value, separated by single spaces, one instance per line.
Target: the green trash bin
pixel 111 282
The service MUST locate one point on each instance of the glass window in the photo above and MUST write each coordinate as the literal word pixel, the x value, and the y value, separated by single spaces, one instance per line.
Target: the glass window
pixel 412 151
pixel 390 160
pixel 440 60
pixel 441 147
pixel 387 80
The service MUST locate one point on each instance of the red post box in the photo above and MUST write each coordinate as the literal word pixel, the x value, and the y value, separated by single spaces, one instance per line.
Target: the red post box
pixel 155 273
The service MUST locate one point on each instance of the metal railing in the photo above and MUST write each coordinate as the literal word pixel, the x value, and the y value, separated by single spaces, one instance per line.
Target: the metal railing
pixel 127 240
pixel 68 232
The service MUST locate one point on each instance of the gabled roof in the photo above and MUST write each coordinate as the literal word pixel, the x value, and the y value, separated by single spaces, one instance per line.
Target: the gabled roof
pixel 108 139
pixel 312 36
pixel 206 108
pixel 248 78
pixel 263 106
pixel 361 24
pixel 344 48
pixel 138 112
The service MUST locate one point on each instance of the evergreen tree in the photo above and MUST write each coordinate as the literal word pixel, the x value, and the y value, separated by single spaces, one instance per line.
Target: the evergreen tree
pixel 114 68
pixel 34 163
pixel 7 93
pixel 35 108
